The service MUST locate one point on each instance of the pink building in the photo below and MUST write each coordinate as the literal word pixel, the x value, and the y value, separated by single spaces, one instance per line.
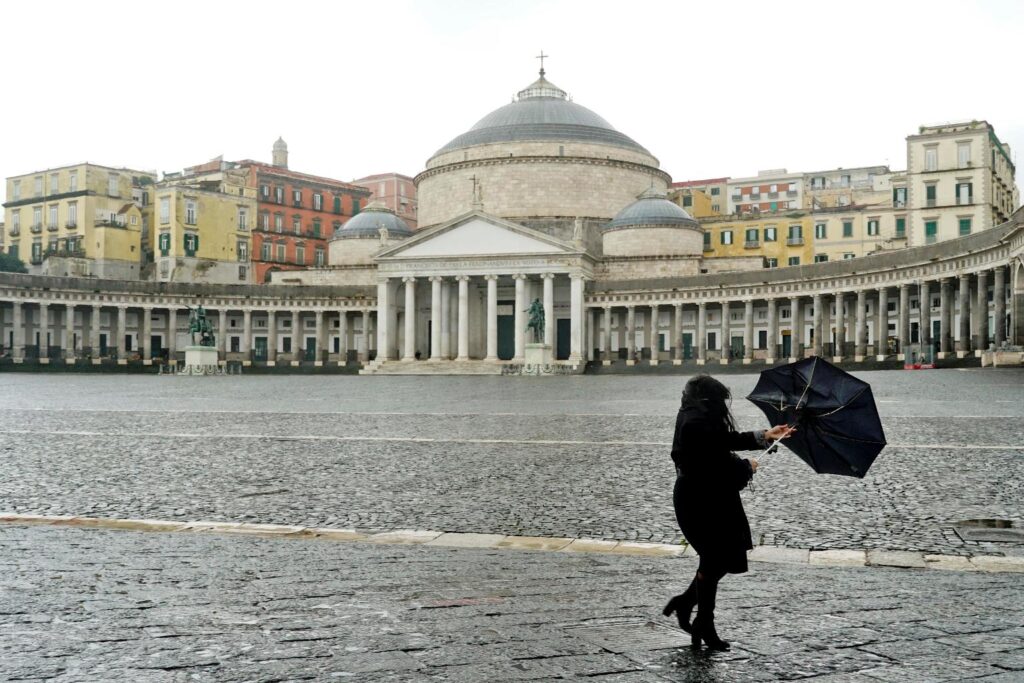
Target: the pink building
pixel 396 191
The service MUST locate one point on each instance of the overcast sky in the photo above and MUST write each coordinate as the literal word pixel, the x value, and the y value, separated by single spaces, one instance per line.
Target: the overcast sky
pixel 710 88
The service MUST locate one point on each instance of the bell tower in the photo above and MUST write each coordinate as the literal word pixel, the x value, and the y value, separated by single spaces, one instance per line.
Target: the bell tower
pixel 280 156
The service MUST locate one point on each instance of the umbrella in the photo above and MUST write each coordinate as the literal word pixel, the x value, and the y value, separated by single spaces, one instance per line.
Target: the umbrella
pixel 837 426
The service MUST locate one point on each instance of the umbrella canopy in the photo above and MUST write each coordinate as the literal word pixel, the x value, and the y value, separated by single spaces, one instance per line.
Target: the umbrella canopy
pixel 838 430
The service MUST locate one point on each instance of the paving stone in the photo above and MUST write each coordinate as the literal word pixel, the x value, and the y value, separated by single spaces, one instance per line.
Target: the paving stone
pixel 648 549
pixel 460 540
pixel 589 545
pixel 767 553
pixel 896 558
pixel 994 563
pixel 838 558
pixel 404 536
pixel 950 562
pixel 533 543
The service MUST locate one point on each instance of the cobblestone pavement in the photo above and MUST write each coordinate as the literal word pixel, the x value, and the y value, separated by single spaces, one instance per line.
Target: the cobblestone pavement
pixel 95 605
pixel 567 456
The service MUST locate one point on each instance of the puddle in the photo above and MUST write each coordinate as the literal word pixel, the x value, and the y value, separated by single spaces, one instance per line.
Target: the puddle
pixel 992 530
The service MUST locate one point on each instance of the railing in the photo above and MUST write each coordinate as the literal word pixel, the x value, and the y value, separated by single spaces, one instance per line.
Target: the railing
pixel 773 195
pixel 52 227
pixel 794 241
pixel 110 224
pixel 737 197
pixel 37 228
pixel 14 232
pixel 791 193
pixel 899 204
pixel 36 260
pixel 930 203
pixel 751 244
pixel 755 196
pixel 71 225
pixel 964 201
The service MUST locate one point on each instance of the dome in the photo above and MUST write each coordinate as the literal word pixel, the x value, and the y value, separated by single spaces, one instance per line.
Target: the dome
pixel 541 112
pixel 369 221
pixel 652 209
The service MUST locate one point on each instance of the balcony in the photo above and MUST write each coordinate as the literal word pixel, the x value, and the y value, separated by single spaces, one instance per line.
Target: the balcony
pixel 795 242
pixel 737 197
pixel 71 225
pixel 773 195
pixel 751 244
pixel 36 260
pixel 52 227
pixel 37 228
pixel 930 203
pixel 110 224
pixel 791 193
pixel 964 201
pixel 899 204
pixel 14 232
pixel 754 195
pixel 708 247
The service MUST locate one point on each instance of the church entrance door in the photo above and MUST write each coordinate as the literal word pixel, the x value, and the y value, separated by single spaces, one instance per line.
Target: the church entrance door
pixel 687 345
pixel 506 337
pixel 562 339
pixel 787 345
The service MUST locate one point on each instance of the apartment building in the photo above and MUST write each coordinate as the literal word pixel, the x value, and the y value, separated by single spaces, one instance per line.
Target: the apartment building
pixel 396 191
pixel 701 198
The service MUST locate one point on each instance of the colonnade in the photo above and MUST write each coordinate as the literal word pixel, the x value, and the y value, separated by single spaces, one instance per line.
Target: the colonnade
pixel 257 338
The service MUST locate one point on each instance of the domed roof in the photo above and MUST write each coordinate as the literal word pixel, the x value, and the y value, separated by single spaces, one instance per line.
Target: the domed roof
pixel 652 208
pixel 369 221
pixel 541 112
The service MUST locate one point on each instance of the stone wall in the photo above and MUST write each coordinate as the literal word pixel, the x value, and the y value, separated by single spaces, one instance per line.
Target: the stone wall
pixel 556 148
pixel 648 241
pixel 643 267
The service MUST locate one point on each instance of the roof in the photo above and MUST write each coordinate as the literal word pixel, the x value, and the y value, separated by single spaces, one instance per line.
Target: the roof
pixel 542 111
pixel 270 169
pixel 652 209
pixel 370 221
pixel 698 183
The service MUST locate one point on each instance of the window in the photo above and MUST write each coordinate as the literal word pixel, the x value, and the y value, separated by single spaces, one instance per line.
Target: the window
pixel 820 231
pixel 190 212
pixel 265 191
pixel 297 197
pixel 191 243
pixel 296 224
pixel 771 263
pixel 818 183
pixel 794 260
pixel 716 208
pixel 751 236
pixel 773 188
pixel 243 273
pixel 687 200
pixel 164 243
pixel 242 249
pixel 965 226
pixel 16 189
pixel 300 255
pixel 770 234
pixel 715 191
pixel 265 220
pixel 844 181
pixel 112 183
pixel 820 258
pixel 52 217
pixel 242 218
pixel 54 183
pixel 72 181
pixel 847 228
pixel 931 158
pixel 318 201
pixel 381 190
pixel 337 205
pixel 707 241
pixel 316 227
pixel 37 186
pixel 280 252
pixel 899 197
pixel 165 209
pixel 931 229
pixel 318 257
pixel 901 226
pixel 37 217
pixel 15 221
pixel 847 256
pixel 726 237
pixel 929 194
pixel 279 195
pixel 265 251
pixel 873 227
pixel 278 222
pixel 356 205
pixel 963 154
pixel 796 232
pixel 964 192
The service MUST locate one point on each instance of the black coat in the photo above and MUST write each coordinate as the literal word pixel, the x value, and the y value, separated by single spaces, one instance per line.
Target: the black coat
pixel 707 491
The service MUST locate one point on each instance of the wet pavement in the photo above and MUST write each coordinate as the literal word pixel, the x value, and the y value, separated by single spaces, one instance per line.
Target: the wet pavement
pixel 568 456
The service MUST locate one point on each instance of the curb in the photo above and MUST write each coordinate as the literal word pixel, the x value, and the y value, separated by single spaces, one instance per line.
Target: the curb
pixel 764 553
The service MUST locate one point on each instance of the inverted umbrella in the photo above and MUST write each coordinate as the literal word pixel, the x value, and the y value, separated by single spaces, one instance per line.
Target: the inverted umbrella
pixel 838 430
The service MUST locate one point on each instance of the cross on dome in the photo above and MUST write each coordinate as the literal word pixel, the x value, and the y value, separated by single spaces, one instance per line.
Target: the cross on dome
pixel 541 57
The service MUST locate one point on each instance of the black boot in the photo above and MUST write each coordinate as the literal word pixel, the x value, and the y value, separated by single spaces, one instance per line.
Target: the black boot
pixel 704 625
pixel 683 605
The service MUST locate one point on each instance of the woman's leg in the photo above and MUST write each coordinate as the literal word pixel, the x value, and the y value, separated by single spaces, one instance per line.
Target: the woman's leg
pixel 708 576
pixel 683 605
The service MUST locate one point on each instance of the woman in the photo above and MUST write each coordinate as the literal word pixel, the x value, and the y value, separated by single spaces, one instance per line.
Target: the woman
pixel 707 498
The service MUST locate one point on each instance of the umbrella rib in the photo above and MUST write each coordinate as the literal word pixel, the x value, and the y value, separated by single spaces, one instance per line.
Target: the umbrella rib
pixel 855 397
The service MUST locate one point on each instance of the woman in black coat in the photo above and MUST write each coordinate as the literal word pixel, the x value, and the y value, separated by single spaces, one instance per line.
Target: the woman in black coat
pixel 709 477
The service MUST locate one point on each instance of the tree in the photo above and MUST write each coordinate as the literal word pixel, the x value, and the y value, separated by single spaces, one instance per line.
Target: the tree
pixel 11 264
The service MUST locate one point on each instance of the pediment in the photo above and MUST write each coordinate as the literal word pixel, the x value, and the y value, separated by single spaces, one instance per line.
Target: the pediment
pixel 477 235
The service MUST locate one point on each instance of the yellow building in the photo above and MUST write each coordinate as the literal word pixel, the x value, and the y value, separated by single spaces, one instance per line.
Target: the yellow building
pixel 700 198
pixel 84 220
pixel 782 240
pixel 202 228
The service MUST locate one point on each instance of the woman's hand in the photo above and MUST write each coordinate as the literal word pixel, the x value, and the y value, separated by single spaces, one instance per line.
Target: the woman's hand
pixel 753 465
pixel 779 432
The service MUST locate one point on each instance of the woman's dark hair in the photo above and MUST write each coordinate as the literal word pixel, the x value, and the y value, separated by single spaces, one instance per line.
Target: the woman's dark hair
pixel 710 396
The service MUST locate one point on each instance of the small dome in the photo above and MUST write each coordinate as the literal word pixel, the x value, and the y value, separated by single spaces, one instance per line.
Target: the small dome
pixel 280 144
pixel 652 209
pixel 369 221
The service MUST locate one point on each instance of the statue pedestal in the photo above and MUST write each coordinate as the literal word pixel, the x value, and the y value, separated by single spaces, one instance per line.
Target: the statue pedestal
pixel 538 354
pixel 200 360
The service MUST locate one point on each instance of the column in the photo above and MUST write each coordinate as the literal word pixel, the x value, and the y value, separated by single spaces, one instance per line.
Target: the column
pixel 773 332
pixel 44 331
pixel 446 320
pixel 607 358
pixel 410 319
pixel 435 318
pixel 492 317
pixel 817 316
pixel 944 313
pixel 147 335
pixel 630 335
pixel 271 337
pixel 796 330
pixel 904 322
pixel 463 317
pixel 725 342
pixel 247 336
pixel 549 310
pixel 520 319
pixel 999 299
pixel 343 335
pixel 222 335
pixel 318 354
pixel 69 333
pixel 297 345
pixel 924 318
pixel 362 348
pixel 963 342
pixel 677 334
pixel 860 334
pixel 882 324
pixel 702 333
pixel 748 332
pixel 386 328
pixel 18 350
pixel 591 335
pixel 840 323
pixel 95 320
pixel 981 315
pixel 575 317
pixel 119 345
pixel 652 333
